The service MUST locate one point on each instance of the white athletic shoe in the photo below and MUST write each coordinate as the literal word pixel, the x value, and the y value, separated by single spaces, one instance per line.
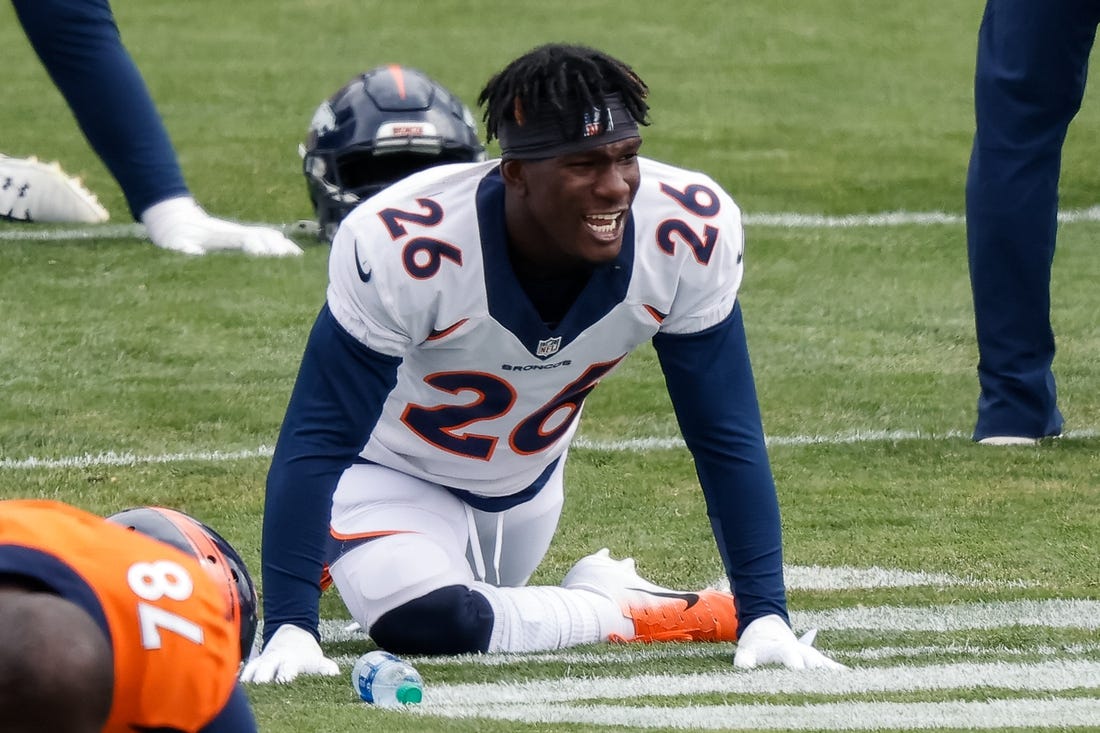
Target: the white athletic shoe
pixel 1008 440
pixel 659 614
pixel 33 191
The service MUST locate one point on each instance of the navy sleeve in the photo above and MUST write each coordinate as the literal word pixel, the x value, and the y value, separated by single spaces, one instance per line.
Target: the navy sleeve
pixel 235 717
pixel 336 401
pixel 710 380
pixel 80 46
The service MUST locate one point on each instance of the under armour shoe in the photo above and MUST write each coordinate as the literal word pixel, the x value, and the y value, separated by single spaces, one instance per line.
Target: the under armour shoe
pixel 31 190
pixel 659 614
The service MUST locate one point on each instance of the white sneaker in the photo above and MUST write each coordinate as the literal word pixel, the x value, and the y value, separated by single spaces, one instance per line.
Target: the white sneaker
pixel 33 191
pixel 659 614
pixel 1008 440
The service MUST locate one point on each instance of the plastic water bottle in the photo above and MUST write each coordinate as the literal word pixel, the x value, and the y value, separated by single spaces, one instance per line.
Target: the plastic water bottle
pixel 382 679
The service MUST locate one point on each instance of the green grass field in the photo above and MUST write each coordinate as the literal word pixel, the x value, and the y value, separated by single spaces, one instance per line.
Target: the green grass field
pixel 960 582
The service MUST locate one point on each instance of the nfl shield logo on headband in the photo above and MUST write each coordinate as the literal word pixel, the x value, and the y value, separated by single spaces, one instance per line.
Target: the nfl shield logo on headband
pixel 597 121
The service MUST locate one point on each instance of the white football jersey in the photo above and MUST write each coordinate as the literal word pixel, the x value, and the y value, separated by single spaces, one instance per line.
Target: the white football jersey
pixel 487 395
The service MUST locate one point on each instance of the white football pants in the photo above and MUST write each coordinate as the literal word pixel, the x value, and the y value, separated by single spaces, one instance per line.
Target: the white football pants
pixel 425 538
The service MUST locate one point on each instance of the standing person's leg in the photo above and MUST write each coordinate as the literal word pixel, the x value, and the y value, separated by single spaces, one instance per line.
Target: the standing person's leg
pixel 1030 78
pixel 80 46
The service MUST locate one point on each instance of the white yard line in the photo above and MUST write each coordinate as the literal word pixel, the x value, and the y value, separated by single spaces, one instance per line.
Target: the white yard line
pixel 783 220
pixel 1052 614
pixel 642 654
pixel 817 577
pixel 16 232
pixel 631 445
pixel 850 437
pixel 1047 676
pixel 888 219
pixel 111 458
pixel 598 701
pixel 993 715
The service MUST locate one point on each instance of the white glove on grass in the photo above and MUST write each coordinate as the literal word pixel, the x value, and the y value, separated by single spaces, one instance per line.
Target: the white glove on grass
pixel 769 640
pixel 290 652
pixel 182 225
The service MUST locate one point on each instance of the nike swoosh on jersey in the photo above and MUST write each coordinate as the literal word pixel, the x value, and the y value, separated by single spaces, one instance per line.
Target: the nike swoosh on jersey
pixel 363 275
pixel 690 598
pixel 436 335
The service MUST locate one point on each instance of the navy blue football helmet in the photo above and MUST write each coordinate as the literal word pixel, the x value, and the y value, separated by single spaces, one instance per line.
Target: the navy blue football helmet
pixel 378 128
pixel 218 558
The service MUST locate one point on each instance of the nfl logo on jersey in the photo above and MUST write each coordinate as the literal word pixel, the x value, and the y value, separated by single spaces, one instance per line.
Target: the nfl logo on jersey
pixel 548 347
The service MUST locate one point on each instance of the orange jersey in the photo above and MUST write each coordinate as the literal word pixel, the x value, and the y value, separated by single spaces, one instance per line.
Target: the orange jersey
pixel 176 651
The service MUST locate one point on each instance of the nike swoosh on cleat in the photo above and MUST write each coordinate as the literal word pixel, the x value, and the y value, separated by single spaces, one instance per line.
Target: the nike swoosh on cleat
pixel 363 275
pixel 690 598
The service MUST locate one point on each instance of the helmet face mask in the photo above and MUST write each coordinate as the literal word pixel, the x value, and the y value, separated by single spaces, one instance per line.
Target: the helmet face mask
pixel 380 127
pixel 221 562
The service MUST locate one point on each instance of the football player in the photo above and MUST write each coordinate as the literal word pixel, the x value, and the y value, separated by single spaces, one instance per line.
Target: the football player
pixel 104 629
pixel 79 44
pixel 470 310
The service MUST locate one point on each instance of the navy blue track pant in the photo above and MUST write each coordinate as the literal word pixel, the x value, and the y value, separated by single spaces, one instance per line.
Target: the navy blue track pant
pixel 79 44
pixel 1030 79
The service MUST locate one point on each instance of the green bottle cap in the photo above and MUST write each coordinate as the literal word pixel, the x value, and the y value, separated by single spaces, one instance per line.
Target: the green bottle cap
pixel 409 694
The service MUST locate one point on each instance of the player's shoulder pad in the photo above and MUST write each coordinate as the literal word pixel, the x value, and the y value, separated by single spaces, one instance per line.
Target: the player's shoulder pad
pixel 690 190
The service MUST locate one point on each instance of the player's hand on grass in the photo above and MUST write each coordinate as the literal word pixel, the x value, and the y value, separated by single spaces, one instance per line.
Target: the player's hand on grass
pixel 769 640
pixel 181 225
pixel 290 652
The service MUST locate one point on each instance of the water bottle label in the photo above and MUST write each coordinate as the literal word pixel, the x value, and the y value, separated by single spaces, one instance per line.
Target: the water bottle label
pixel 382 679
pixel 366 683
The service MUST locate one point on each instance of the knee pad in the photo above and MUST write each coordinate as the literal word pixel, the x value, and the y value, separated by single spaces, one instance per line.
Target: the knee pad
pixel 450 620
pixel 390 571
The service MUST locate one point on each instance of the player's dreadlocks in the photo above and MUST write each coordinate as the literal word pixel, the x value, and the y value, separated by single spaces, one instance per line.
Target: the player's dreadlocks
pixel 559 80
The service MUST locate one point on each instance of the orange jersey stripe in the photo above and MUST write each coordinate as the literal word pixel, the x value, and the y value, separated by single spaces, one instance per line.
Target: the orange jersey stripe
pixel 176 652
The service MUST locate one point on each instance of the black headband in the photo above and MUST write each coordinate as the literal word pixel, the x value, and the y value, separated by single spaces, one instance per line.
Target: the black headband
pixel 548 136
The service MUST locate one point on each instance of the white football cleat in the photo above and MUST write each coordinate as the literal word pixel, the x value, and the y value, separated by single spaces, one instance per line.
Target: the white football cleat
pixel 33 191
pixel 1008 440
pixel 659 614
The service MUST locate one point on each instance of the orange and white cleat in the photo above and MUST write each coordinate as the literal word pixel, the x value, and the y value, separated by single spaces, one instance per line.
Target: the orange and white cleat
pixel 659 614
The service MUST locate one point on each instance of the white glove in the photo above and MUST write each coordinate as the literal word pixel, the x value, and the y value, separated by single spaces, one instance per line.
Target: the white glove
pixel 181 225
pixel 290 652
pixel 769 640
